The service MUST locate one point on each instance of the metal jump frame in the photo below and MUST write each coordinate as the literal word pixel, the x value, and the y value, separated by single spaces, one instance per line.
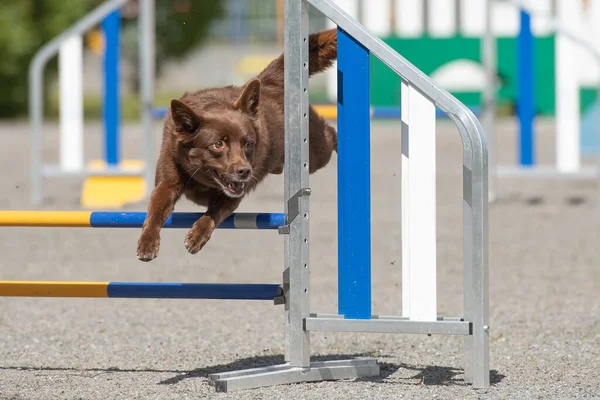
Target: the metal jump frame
pixel 353 208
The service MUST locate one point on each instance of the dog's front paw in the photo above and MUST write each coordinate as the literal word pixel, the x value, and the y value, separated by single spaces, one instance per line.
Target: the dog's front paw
pixel 148 245
pixel 199 235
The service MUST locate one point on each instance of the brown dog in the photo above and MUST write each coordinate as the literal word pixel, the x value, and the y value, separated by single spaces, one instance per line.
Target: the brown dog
pixel 219 143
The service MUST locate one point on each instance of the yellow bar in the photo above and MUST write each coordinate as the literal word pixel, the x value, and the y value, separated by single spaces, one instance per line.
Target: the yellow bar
pixel 326 111
pixel 45 218
pixel 53 289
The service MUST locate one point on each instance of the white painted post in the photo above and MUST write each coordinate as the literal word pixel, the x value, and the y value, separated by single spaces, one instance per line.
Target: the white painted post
pixel 405 200
pixel 540 26
pixel 419 262
pixel 409 18
pixel 442 18
pixel 376 16
pixel 507 20
pixel 568 15
pixel 472 18
pixel 70 75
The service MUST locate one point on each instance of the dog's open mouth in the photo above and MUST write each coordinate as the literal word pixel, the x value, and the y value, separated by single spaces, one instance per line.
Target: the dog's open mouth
pixel 232 188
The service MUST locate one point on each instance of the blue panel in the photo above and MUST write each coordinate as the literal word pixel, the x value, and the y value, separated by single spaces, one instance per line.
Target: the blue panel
pixel 111 26
pixel 526 87
pixel 354 187
pixel 176 220
pixel 223 291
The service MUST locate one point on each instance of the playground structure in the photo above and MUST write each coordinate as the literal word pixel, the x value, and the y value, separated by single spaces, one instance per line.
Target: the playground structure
pixel 112 181
pixel 419 307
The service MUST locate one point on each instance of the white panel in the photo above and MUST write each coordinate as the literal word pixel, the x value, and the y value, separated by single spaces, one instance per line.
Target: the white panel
pixel 567 90
pixel 541 23
pixel 472 17
pixel 351 7
pixel 442 18
pixel 409 18
pixel 421 211
pixel 506 21
pixel 376 16
pixel 588 67
pixel 405 202
pixel 70 76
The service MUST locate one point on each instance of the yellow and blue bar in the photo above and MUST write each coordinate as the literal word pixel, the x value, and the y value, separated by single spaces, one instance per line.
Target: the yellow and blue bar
pixel 141 290
pixel 99 219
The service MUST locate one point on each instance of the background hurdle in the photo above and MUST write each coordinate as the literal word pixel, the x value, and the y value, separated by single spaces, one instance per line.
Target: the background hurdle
pixel 111 182
pixel 569 80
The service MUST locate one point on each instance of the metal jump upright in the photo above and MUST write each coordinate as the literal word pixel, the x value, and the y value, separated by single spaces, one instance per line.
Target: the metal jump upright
pixel 355 44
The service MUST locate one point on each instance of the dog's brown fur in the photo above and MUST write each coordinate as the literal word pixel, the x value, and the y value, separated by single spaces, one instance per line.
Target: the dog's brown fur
pixel 219 143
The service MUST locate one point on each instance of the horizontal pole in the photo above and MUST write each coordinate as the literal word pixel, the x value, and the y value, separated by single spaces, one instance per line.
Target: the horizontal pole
pixel 141 290
pixel 99 219
pixel 55 171
pixel 329 111
pixel 388 326
pixel 375 316
pixel 545 171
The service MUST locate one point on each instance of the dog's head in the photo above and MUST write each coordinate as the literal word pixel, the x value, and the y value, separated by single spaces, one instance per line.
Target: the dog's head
pixel 216 143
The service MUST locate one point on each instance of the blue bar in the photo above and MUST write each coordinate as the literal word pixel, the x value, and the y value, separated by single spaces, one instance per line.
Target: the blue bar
pixel 526 87
pixel 111 26
pixel 354 187
pixel 267 221
pixel 221 291
pixel 100 219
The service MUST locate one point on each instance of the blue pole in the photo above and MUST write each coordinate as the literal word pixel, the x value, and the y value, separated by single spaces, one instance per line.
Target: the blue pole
pixel 354 192
pixel 526 87
pixel 111 26
pixel 175 290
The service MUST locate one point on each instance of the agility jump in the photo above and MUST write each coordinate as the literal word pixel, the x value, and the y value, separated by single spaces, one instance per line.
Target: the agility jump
pixel 420 96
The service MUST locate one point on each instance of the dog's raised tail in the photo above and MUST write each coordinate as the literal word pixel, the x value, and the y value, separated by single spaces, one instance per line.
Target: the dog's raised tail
pixel 322 49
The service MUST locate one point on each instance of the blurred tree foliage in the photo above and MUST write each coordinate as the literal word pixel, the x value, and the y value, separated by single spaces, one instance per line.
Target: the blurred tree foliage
pixel 26 25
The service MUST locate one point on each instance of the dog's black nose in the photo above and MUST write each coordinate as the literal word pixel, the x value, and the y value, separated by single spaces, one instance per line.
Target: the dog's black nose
pixel 243 172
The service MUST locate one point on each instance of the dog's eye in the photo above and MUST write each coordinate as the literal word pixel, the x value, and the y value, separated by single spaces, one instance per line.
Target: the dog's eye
pixel 249 144
pixel 218 145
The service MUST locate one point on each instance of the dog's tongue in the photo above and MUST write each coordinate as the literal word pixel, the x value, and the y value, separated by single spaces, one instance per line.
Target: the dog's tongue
pixel 235 187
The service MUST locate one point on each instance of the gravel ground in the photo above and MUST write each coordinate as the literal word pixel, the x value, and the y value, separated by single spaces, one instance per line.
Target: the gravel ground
pixel 544 288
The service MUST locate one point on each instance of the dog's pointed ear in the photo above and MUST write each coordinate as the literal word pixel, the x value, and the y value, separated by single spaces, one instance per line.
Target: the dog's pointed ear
pixel 250 97
pixel 185 118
